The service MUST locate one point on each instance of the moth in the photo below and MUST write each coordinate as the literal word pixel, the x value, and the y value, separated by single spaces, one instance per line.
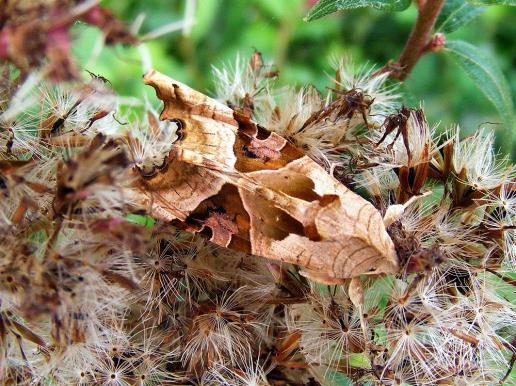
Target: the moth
pixel 251 190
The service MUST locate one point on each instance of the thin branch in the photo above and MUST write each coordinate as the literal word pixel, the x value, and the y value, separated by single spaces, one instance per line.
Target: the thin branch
pixel 418 40
pixel 420 4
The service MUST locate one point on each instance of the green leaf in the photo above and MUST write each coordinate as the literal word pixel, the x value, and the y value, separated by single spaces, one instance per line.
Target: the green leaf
pixel 493 2
pixel 326 7
pixel 335 378
pixel 360 360
pixel 147 221
pixel 455 14
pixel 488 77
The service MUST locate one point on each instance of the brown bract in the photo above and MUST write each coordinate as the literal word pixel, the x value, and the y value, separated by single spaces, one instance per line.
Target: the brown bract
pixel 269 198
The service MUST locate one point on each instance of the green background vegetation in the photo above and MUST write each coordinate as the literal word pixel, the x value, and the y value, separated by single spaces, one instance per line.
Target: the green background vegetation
pixel 302 50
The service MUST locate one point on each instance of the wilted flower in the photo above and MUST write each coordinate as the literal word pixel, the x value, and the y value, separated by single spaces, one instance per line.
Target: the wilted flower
pixel 330 328
pixel 475 162
pixel 384 98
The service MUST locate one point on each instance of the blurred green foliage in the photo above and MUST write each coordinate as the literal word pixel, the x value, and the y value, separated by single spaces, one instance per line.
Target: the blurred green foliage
pixel 302 50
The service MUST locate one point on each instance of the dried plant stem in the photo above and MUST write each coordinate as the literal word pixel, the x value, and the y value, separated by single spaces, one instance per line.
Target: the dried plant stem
pixel 428 11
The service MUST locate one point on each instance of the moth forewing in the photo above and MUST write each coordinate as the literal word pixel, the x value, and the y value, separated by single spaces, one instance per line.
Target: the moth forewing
pixel 174 192
pixel 280 204
pixel 338 234
pixel 208 129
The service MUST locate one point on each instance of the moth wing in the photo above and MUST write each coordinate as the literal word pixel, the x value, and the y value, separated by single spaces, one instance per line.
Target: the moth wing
pixel 305 217
pixel 208 129
pixel 176 191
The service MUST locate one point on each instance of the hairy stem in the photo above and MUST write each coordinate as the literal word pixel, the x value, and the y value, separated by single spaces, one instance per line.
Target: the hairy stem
pixel 418 39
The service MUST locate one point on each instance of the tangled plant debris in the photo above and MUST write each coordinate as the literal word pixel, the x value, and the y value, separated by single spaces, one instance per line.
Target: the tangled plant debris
pixel 94 290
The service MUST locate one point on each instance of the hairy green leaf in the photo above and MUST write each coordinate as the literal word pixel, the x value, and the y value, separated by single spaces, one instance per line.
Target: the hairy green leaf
pixel 326 7
pixel 488 77
pixel 493 2
pixel 455 14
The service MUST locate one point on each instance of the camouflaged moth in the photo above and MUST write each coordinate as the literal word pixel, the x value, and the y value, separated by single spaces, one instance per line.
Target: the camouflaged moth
pixel 251 190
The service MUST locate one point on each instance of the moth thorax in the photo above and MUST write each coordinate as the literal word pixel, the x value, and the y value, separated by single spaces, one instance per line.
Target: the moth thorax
pixel 154 163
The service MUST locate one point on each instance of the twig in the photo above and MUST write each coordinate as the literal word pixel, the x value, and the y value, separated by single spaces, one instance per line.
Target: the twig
pixel 420 4
pixel 419 38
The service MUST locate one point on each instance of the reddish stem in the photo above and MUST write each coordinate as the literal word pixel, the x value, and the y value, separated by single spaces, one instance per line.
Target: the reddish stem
pixel 420 4
pixel 4 43
pixel 418 39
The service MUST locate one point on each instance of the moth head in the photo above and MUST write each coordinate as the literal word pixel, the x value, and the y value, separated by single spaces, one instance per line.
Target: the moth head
pixel 149 168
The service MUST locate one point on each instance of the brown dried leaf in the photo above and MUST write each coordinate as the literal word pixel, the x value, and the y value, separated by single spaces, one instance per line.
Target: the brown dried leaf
pixel 287 346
